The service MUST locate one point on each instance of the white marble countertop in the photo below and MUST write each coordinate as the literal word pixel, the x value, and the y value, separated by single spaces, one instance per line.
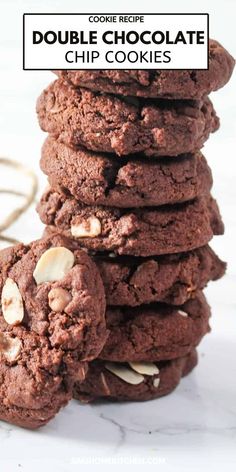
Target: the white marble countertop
pixel 195 427
pixel 191 429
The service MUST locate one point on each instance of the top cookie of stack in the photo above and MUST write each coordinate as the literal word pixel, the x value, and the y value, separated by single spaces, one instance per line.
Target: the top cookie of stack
pixel 171 84
pixel 124 125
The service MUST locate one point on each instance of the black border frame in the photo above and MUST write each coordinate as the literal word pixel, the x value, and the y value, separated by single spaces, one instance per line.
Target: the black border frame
pixel 107 68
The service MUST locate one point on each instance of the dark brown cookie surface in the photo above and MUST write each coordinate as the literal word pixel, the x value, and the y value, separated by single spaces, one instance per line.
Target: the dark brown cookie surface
pixel 170 279
pixel 137 232
pixel 102 180
pixel 125 125
pixel 181 84
pixel 155 332
pixel 101 382
pixel 36 385
pixel 51 322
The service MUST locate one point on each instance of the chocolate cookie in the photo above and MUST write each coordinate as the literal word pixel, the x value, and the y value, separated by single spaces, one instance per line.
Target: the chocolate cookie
pixel 120 382
pixel 102 180
pixel 175 84
pixel 136 232
pixel 155 332
pixel 169 279
pixel 125 125
pixel 52 320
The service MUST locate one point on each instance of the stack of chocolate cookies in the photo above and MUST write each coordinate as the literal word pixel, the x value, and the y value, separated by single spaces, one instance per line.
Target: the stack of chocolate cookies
pixel 129 184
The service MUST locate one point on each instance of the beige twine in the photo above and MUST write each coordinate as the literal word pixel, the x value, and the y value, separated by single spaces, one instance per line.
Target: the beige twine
pixel 29 197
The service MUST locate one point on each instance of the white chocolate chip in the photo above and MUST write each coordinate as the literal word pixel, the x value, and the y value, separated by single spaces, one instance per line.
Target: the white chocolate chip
pixel 10 347
pixel 124 373
pixel 156 382
pixel 12 303
pixel 182 313
pixel 53 265
pixel 145 368
pixel 89 228
pixel 58 299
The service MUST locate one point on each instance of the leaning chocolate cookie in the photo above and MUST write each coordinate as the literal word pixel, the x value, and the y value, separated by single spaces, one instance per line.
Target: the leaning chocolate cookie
pixel 125 125
pixel 155 332
pixel 134 381
pixel 100 179
pixel 175 84
pixel 52 321
pixel 136 232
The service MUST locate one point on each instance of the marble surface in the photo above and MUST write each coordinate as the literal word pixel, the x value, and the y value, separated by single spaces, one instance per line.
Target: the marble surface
pixel 195 427
pixel 190 429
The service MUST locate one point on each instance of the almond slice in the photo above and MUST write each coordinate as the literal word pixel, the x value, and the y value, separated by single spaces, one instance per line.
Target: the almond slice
pixel 58 299
pixel 183 313
pixel 12 303
pixel 145 368
pixel 53 265
pixel 124 373
pixel 156 382
pixel 89 228
pixel 10 347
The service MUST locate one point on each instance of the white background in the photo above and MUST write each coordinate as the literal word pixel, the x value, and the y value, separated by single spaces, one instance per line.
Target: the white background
pixel 194 428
